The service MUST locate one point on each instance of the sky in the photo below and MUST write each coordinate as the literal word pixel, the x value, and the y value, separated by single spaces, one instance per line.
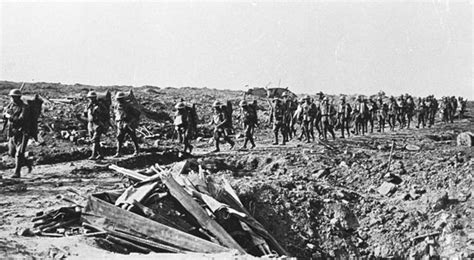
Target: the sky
pixel 416 47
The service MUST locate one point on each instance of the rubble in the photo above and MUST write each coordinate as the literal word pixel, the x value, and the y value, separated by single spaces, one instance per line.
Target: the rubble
pixel 177 210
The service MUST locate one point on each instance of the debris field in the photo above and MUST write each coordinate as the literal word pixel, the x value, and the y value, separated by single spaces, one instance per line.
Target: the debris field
pixel 403 193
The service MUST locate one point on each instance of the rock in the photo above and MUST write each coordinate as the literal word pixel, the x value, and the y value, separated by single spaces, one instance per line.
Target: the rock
pixel 465 139
pixel 25 232
pixel 344 217
pixel 343 164
pixel 393 178
pixel 438 225
pixel 321 173
pixel 412 147
pixel 387 188
pixel 439 201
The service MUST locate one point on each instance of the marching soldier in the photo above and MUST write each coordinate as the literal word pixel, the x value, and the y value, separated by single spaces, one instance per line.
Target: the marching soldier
pixel 183 126
pixel 454 106
pixel 432 109
pixel 327 112
pixel 382 110
pixel 290 108
pixel 17 135
pixel 220 121
pixel 277 118
pixel 249 120
pixel 445 110
pixel 461 107
pixel 401 111
pixel 344 116
pixel 392 113
pixel 96 114
pixel 361 114
pixel 421 112
pixel 126 119
pixel 308 114
pixel 372 108
pixel 409 110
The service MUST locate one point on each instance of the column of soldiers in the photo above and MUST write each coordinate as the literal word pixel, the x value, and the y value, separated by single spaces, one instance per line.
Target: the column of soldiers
pixel 285 114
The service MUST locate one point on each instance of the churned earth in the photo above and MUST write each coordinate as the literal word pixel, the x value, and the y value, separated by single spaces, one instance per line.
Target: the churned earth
pixel 328 198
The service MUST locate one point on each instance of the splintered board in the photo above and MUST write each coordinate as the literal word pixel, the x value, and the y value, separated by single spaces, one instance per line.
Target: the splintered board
pixel 102 209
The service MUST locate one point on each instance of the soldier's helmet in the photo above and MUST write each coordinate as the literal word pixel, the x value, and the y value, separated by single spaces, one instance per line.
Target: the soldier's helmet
pixel 15 93
pixel 119 95
pixel 216 104
pixel 325 99
pixel 243 103
pixel 92 94
pixel 343 98
pixel 284 94
pixel 307 97
pixel 179 105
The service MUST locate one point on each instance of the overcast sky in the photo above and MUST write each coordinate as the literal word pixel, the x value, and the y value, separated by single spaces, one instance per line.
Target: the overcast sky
pixel 418 47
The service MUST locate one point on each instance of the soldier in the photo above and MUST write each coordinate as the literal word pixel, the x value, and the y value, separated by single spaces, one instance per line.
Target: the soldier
pixel 401 111
pixel 409 110
pixel 18 136
pixel 382 111
pixel 361 113
pixel 327 112
pixel 126 120
pixel 182 123
pixel 276 117
pixel 420 109
pixel 461 107
pixel 221 121
pixel 433 108
pixel 249 120
pixel 96 114
pixel 308 114
pixel 290 108
pixel 344 116
pixel 317 114
pixel 453 104
pixel 445 110
pixel 392 113
pixel 372 115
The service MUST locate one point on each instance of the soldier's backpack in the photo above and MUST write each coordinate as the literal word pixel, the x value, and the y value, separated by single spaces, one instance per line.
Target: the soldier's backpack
pixel 192 120
pixel 228 110
pixel 105 100
pixel 253 107
pixel 31 115
pixel 136 108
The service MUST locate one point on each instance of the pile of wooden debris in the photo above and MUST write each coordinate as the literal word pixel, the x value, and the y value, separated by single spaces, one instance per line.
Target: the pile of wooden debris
pixel 179 209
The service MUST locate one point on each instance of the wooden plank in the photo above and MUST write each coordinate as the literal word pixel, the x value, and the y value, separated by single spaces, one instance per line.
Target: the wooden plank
pixel 133 193
pixel 199 213
pixel 229 196
pixel 150 228
pixel 146 242
pixel 129 173
pixel 131 246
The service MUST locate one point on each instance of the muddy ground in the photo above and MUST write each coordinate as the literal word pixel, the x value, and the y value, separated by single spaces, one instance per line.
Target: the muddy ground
pixel 336 198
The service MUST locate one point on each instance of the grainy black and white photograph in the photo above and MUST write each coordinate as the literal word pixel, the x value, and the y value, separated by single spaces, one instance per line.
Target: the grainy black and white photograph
pixel 245 129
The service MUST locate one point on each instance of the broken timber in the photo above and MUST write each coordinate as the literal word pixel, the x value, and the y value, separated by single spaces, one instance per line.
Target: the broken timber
pixel 98 207
pixel 199 213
